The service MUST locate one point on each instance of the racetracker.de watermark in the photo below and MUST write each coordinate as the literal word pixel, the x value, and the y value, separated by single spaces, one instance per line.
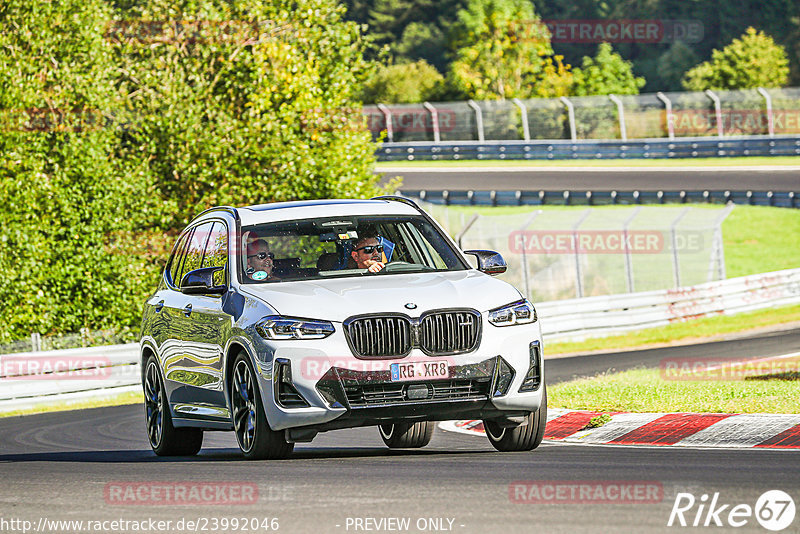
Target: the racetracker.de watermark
pixel 55 367
pixel 199 31
pixel 650 31
pixel 51 119
pixel 688 122
pixel 715 368
pixel 181 493
pixel 602 241
pixel 413 121
pixel 411 368
pixel 585 492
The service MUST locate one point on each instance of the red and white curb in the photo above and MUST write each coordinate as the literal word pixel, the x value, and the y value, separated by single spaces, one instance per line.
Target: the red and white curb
pixel 765 431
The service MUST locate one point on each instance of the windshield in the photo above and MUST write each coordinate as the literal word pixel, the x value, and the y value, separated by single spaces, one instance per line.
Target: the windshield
pixel 344 246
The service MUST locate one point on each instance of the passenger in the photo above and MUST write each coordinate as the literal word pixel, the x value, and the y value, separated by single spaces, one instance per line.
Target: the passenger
pixel 260 266
pixel 367 254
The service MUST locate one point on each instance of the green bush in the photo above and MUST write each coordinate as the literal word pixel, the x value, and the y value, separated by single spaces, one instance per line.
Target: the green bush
pixel 119 123
pixel 606 73
pixel 753 60
pixel 404 84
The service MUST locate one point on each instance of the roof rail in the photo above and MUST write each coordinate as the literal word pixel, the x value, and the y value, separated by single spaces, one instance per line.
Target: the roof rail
pixel 397 198
pixel 229 209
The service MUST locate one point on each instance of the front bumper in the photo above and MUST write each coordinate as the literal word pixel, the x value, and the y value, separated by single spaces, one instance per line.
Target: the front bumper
pixel 329 392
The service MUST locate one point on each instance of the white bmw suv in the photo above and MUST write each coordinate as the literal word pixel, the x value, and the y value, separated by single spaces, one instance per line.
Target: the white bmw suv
pixel 284 320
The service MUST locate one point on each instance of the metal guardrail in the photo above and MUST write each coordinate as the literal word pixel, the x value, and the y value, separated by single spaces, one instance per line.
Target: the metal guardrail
pixel 31 379
pixel 580 318
pixel 113 369
pixel 780 199
pixel 690 147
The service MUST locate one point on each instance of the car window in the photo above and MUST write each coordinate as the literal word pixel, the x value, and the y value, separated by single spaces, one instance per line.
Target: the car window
pixel 176 259
pixel 424 247
pixel 321 248
pixel 194 252
pixel 216 251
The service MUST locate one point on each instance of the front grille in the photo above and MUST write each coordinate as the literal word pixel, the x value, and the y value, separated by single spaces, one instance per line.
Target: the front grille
pixel 370 395
pixel 380 336
pixel 449 332
pixel 436 333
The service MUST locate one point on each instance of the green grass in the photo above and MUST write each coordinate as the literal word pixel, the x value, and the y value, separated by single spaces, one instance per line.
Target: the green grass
pixel 689 162
pixel 644 390
pixel 760 239
pixel 752 244
pixel 694 329
pixel 135 397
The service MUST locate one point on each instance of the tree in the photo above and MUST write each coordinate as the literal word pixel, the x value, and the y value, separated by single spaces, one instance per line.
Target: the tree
pixel 502 50
pixel 673 64
pixel 424 41
pixel 246 101
pixel 404 83
pixel 65 189
pixel 607 73
pixel 754 60
pixel 407 30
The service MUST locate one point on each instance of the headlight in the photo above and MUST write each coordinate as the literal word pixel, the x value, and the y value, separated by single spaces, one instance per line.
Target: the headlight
pixel 520 312
pixel 278 327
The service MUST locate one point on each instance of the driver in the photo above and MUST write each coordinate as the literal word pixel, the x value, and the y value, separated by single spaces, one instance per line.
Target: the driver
pixel 259 261
pixel 366 254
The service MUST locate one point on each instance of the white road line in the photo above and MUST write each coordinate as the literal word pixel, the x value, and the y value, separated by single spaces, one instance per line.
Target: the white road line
pixel 535 169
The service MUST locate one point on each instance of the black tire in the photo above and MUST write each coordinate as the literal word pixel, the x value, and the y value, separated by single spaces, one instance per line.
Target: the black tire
pixel 522 438
pixel 165 439
pixel 407 435
pixel 256 439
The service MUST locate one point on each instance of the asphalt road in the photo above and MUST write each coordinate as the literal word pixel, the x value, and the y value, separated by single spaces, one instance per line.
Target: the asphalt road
pixel 599 178
pixel 61 466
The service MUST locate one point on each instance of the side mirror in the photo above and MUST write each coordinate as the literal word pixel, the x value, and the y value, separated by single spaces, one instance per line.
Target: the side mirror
pixel 201 282
pixel 489 261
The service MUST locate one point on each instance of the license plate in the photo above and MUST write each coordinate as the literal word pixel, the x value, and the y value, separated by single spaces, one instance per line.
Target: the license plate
pixel 420 370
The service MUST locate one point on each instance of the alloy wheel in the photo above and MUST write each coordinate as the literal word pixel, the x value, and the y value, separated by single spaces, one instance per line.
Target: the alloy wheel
pixel 153 405
pixel 244 408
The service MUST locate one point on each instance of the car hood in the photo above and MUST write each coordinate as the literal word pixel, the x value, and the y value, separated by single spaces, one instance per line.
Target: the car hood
pixel 336 299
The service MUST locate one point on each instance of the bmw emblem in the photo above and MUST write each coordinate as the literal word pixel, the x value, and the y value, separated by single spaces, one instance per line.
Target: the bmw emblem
pixel 411 306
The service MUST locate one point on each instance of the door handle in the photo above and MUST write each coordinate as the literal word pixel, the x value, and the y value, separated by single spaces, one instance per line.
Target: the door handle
pixel 159 306
pixel 187 311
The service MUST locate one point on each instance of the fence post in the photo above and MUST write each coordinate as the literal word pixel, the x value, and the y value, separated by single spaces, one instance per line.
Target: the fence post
pixel 36 342
pixel 676 267
pixel 434 120
pixel 387 114
pixel 526 131
pixel 575 243
pixel 478 118
pixel 525 283
pixel 466 228
pixel 718 250
pixel 770 117
pixel 628 259
pixel 717 111
pixel 571 115
pixel 670 117
pixel 621 116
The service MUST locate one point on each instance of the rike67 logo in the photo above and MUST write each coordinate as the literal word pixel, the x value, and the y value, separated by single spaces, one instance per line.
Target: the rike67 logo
pixel 774 510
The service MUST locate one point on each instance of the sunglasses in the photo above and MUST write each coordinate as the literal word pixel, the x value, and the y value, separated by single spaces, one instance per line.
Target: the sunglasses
pixel 263 255
pixel 369 249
